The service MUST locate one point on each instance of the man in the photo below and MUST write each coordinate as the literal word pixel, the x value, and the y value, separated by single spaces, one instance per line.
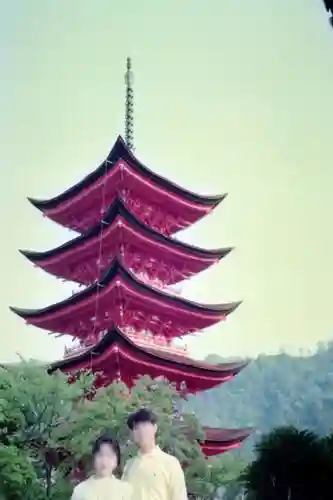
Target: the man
pixel 153 474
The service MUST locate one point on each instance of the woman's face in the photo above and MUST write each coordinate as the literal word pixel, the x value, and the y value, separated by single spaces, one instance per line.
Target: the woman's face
pixel 105 460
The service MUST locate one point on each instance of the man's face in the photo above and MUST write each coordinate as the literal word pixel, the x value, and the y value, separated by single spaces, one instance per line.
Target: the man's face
pixel 144 433
pixel 105 460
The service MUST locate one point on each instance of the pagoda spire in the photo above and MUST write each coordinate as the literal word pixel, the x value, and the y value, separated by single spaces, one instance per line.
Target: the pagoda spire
pixel 129 118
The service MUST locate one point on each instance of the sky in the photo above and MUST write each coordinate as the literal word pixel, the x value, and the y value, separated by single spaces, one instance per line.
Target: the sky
pixel 229 97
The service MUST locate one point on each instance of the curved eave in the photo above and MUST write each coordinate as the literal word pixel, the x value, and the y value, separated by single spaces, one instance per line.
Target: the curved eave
pixel 119 209
pixel 115 336
pixel 226 437
pixel 121 151
pixel 117 269
pixel 223 440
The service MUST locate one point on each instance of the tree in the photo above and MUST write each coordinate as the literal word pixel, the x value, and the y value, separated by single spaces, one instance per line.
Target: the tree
pixel 16 474
pixel 33 407
pixel 217 477
pixel 290 464
pixel 47 427
pixel 298 388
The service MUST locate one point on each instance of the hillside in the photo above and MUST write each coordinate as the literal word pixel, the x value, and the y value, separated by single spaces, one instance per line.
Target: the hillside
pixel 273 391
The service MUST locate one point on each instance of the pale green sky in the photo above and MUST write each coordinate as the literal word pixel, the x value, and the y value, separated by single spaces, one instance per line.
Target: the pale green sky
pixel 229 96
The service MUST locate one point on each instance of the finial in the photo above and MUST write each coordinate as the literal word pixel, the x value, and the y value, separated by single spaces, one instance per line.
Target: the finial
pixel 129 118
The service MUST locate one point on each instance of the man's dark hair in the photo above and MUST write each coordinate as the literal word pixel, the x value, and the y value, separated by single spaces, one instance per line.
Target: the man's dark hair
pixel 141 416
pixel 108 440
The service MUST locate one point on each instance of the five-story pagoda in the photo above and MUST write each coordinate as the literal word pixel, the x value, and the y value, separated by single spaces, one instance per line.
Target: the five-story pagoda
pixel 125 319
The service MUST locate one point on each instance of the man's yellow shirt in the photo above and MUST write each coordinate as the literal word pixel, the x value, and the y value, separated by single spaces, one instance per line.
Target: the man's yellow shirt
pixel 155 476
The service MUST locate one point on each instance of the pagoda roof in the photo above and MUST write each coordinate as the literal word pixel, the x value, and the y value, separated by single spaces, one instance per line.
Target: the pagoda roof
pixel 99 306
pixel 69 260
pixel 121 151
pixel 222 440
pixel 117 356
pixel 159 203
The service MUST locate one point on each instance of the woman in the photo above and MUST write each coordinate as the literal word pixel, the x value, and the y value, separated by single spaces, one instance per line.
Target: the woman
pixel 103 485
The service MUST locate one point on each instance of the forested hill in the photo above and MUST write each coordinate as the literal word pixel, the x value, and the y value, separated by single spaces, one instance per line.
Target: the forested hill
pixel 273 391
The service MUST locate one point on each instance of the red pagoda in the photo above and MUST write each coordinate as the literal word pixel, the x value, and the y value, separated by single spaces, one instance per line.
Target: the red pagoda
pixel 127 313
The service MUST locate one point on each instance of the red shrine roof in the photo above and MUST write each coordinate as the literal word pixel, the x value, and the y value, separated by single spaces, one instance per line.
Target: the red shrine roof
pixel 121 299
pixel 222 440
pixel 144 251
pixel 116 356
pixel 154 200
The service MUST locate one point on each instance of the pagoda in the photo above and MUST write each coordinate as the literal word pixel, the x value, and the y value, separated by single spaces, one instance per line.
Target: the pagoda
pixel 127 313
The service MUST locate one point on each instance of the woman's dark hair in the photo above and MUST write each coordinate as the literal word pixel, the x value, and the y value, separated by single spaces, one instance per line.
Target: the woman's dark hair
pixel 110 441
pixel 141 416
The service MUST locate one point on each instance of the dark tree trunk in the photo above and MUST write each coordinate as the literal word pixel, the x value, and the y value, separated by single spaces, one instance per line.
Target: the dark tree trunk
pixel 48 479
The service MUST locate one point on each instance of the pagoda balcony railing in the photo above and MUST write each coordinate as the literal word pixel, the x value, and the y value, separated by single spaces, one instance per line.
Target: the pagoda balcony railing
pixel 153 282
pixel 78 347
pixel 74 350
pixel 146 339
pixel 142 338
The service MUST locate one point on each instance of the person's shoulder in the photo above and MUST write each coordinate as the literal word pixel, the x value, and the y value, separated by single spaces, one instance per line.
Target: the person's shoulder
pixel 81 487
pixel 128 467
pixel 123 484
pixel 125 488
pixel 169 459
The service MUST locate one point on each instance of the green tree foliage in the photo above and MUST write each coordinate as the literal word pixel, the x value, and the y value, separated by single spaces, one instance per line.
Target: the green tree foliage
pixel 219 477
pixel 16 474
pixel 290 464
pixel 47 427
pixel 273 391
pixel 33 409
